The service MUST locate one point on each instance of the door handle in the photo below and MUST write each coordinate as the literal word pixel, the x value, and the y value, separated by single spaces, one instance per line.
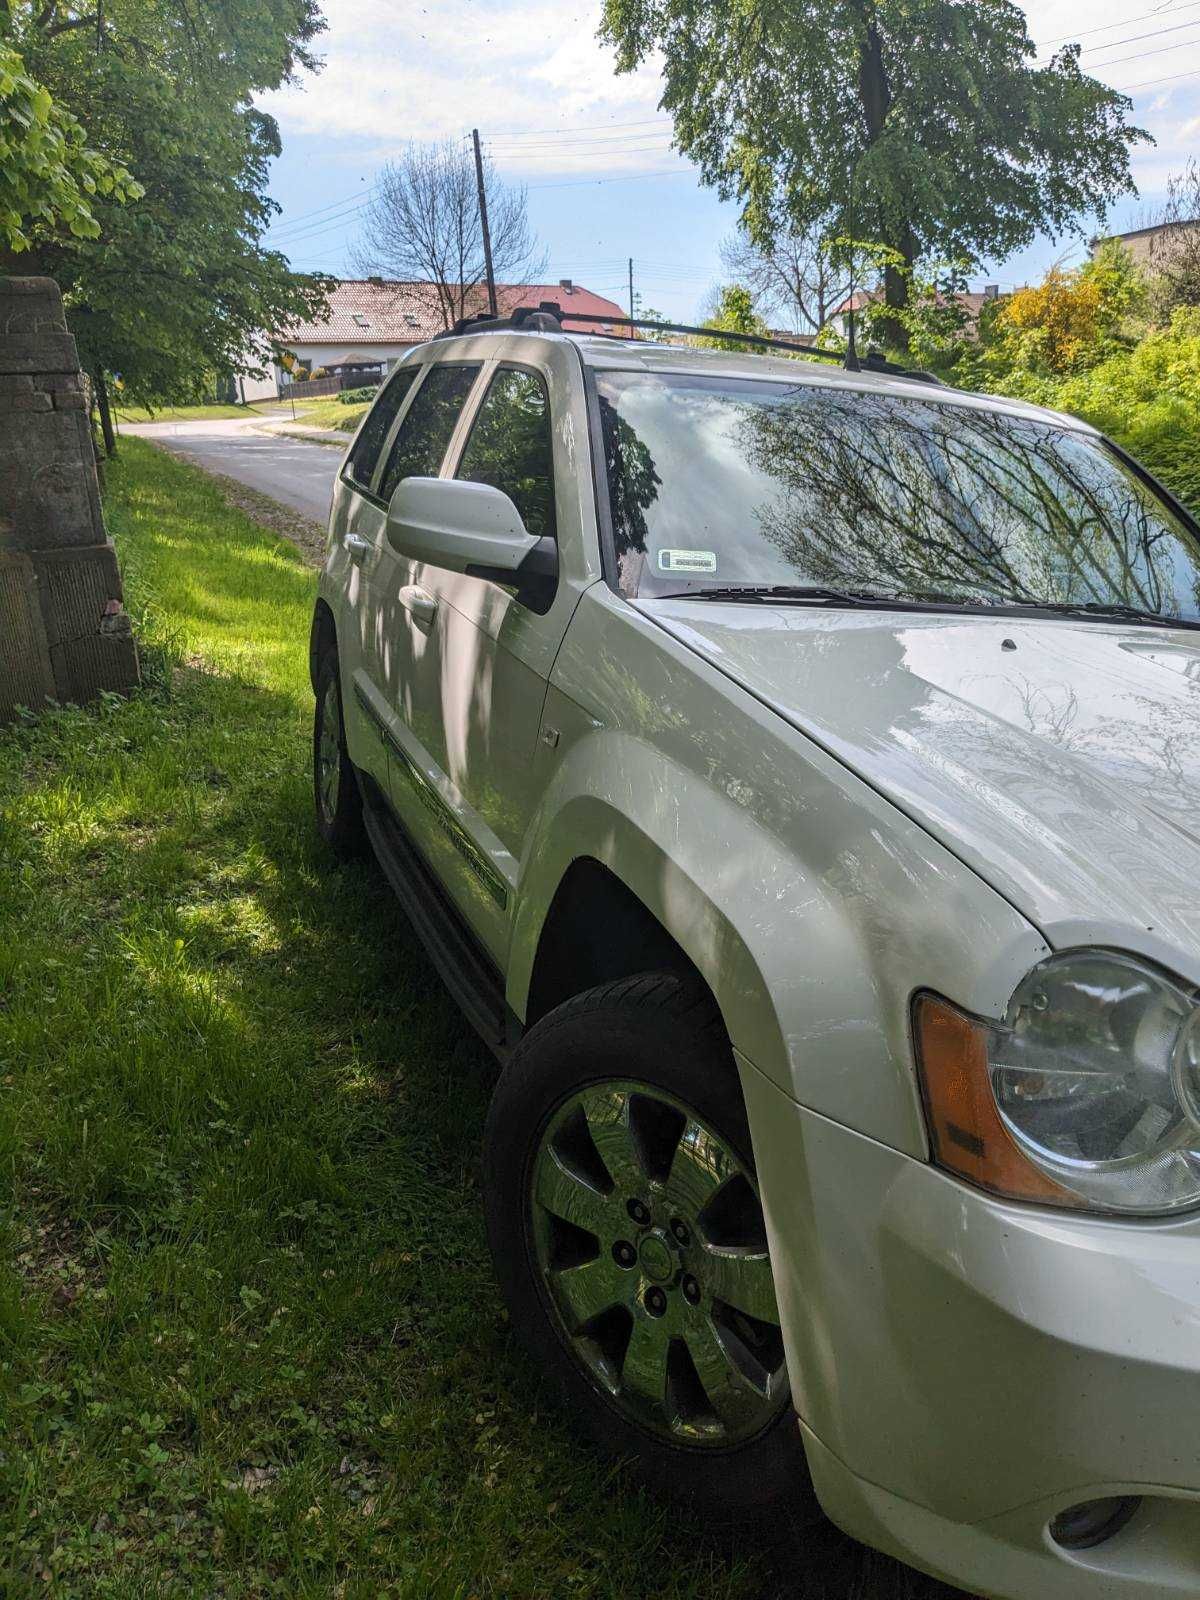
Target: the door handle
pixel 420 602
pixel 357 546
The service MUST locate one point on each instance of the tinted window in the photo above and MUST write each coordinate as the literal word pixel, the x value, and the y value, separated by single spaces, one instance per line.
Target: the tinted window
pixel 511 448
pixel 425 432
pixel 361 465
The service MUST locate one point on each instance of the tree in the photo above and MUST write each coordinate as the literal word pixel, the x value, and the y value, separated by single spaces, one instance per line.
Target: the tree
pixel 48 173
pixel 423 226
pixel 1174 256
pixel 919 125
pixel 792 276
pixel 178 286
pixel 734 313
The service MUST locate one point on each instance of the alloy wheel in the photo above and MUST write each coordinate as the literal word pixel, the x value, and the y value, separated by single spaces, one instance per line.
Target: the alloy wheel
pixel 648 1234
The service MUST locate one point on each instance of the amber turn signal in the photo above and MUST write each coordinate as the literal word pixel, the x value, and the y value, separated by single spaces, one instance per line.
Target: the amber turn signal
pixel 965 1128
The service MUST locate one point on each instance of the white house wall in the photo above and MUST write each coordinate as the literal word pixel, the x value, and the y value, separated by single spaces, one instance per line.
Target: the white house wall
pixel 332 355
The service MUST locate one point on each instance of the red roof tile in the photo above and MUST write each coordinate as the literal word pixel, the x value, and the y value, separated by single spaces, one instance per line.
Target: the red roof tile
pixel 365 311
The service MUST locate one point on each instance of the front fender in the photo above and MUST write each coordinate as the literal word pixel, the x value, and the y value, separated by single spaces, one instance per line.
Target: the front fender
pixel 790 969
pixel 812 906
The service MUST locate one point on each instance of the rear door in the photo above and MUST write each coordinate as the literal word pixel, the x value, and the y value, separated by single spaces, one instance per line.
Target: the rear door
pixel 358 537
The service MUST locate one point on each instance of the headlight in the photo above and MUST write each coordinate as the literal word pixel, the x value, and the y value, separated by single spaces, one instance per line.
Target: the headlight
pixel 1087 1096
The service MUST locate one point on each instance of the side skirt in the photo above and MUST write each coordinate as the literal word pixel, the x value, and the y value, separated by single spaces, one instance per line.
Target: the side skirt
pixel 462 965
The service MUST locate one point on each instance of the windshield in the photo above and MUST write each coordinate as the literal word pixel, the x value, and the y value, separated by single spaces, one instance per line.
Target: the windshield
pixel 716 482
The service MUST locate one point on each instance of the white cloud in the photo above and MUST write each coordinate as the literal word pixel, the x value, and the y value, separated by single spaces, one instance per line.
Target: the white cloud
pixel 404 71
pixel 400 70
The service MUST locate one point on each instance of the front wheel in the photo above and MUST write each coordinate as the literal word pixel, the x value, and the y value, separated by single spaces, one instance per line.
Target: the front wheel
pixel 628 1237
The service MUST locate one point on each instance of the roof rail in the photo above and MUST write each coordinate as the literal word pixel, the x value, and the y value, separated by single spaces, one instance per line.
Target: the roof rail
pixel 549 316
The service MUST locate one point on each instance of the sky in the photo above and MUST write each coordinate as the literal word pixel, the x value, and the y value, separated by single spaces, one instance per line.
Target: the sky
pixel 594 151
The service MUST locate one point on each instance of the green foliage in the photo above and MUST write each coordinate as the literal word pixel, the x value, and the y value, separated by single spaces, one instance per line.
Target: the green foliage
pixel 355 397
pixel 48 173
pixel 917 124
pixel 1069 322
pixel 180 284
pixel 1146 398
pixel 735 313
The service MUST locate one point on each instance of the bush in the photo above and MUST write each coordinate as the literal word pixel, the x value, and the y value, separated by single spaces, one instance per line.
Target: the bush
pixel 1146 399
pixel 355 397
pixel 1071 321
pixel 1165 437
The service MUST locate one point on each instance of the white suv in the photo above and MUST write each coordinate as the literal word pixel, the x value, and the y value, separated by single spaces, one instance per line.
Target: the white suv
pixel 795 774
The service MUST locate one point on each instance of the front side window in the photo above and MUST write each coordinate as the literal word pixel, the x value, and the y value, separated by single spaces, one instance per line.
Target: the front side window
pixel 511 447
pixel 719 482
pixel 418 448
pixel 361 465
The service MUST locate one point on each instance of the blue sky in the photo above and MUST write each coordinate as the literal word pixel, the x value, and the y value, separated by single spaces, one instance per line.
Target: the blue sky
pixel 594 150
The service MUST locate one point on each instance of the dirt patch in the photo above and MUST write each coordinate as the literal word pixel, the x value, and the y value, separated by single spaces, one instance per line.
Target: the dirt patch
pixel 294 526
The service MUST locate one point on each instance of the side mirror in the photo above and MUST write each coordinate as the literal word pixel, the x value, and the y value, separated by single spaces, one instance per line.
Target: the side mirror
pixel 463 526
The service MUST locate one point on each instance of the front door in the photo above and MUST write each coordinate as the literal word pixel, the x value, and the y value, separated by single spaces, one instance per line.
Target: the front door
pixel 481 726
pixel 407 649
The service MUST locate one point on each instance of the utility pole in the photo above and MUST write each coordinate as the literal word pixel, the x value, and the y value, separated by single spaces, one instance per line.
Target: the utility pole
pixel 483 223
pixel 632 334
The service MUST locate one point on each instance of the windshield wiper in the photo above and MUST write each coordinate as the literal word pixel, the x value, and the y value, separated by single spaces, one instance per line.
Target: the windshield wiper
pixel 1106 609
pixel 818 594
pixel 788 591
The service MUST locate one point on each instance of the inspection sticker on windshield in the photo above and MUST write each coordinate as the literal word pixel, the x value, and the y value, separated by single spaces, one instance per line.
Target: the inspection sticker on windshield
pixel 687 561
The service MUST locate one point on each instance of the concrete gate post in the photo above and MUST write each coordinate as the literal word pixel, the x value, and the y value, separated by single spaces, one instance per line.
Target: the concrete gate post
pixel 64 633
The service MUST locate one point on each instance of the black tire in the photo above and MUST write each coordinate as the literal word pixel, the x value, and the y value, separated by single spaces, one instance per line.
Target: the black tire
pixel 336 799
pixel 659 1031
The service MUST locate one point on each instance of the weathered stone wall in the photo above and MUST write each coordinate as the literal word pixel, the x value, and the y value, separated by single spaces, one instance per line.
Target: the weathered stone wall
pixel 64 633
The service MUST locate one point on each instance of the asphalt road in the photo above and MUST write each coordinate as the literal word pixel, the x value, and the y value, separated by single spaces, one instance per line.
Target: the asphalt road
pixel 292 471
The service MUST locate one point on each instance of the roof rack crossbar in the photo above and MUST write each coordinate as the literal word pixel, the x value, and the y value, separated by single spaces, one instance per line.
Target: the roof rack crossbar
pixel 549 316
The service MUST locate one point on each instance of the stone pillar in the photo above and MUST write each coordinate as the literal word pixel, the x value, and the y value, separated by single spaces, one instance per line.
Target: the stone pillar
pixel 64 633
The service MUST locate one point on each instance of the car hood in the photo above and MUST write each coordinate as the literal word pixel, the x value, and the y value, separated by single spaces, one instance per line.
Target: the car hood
pixel 1060 759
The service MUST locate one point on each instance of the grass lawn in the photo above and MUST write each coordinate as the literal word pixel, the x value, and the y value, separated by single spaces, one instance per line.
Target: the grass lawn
pixel 331 413
pixel 249 1341
pixel 203 413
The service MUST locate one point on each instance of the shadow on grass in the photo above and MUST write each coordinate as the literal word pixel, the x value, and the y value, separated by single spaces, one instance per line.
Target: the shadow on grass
pixel 251 1344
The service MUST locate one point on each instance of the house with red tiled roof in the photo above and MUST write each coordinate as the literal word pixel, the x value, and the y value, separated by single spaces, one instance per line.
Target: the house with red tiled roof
pixel 972 304
pixel 371 323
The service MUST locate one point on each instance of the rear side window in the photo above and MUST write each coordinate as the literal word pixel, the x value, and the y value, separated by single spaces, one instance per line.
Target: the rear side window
pixel 511 447
pixel 361 465
pixel 418 448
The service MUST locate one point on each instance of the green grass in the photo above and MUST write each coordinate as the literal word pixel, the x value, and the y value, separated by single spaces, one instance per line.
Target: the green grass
pixel 332 413
pixel 249 1340
pixel 201 413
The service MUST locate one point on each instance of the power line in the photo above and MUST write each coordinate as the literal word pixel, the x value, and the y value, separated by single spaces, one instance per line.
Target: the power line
pixel 1142 55
pixel 530 133
pixel 598 141
pixel 518 158
pixel 1136 38
pixel 634 177
pixel 293 234
pixel 1151 83
pixel 357 195
pixel 311 233
pixel 1109 26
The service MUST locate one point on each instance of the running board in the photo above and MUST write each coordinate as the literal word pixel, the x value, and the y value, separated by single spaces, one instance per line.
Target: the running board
pixel 462 965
